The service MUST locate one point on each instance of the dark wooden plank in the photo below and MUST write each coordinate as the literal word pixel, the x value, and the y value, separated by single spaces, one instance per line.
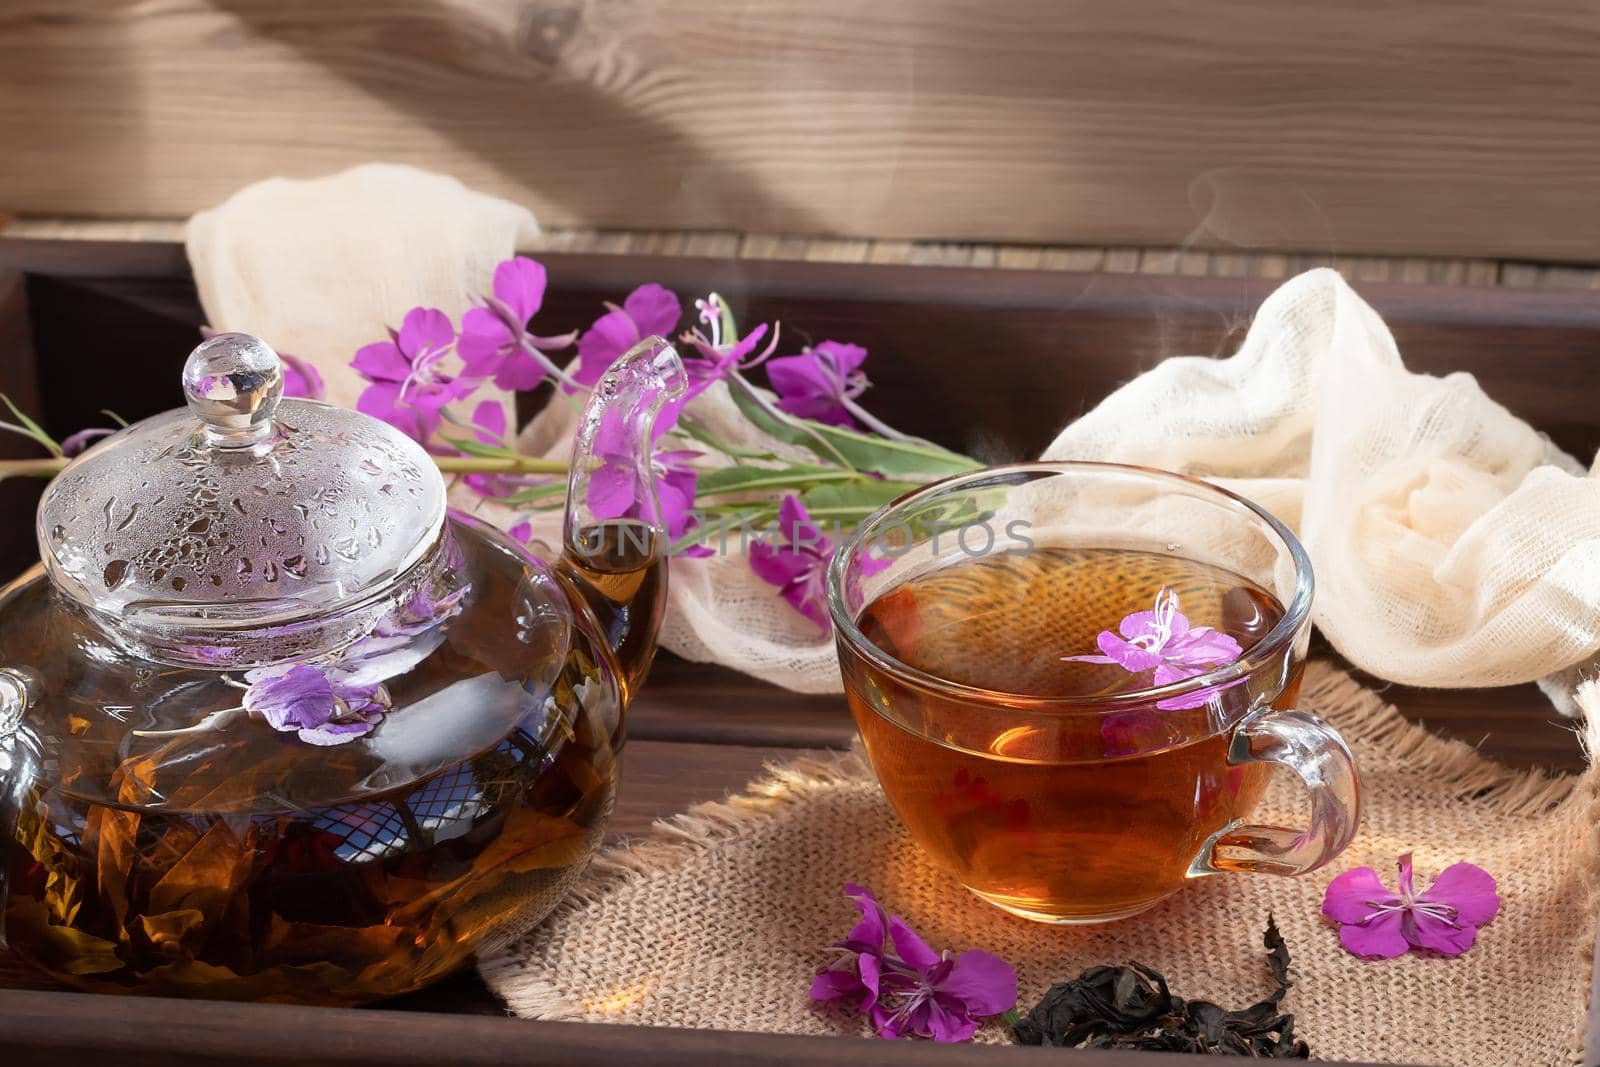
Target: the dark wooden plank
pixel 686 701
pixel 18 381
pixel 1444 126
pixel 49 1030
pixel 993 362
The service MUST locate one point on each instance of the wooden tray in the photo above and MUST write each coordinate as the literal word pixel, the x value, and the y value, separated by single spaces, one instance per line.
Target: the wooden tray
pixel 988 361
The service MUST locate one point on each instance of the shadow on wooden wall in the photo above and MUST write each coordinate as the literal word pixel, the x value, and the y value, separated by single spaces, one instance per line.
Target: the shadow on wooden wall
pixel 1449 127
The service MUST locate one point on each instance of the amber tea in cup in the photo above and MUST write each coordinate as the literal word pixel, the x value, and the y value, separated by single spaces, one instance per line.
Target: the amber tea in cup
pixel 1072 679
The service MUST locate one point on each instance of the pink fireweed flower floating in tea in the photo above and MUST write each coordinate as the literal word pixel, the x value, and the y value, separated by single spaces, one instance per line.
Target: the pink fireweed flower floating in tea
pixel 821 382
pixel 650 310
pixel 905 987
pixel 311 703
pixel 1377 923
pixel 1162 641
pixel 409 382
pixel 495 339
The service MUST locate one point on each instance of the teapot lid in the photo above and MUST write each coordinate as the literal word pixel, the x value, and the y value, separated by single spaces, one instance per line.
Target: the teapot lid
pixel 245 511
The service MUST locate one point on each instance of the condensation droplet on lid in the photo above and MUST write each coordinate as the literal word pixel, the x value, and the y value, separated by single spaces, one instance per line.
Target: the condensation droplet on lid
pixel 116 573
pixel 1172 547
pixel 178 584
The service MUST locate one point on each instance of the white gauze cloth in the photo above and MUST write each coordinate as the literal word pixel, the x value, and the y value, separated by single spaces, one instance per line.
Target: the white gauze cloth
pixel 1453 545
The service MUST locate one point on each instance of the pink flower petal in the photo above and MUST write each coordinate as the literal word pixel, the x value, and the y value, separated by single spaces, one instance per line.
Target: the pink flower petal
pixel 945 1025
pixel 1130 657
pixel 1379 938
pixel 1168 673
pixel 778 564
pixel 1469 889
pixel 379 400
pixel 612 491
pixel 522 371
pixel 490 419
pixel 807 595
pixel 985 983
pixel 522 531
pixel 482 344
pixel 911 948
pixel 834 984
pixel 799 376
pixel 1356 894
pixel 601 344
pixel 425 330
pixel 1203 646
pixel 1438 935
pixel 869 966
pixel 654 309
pixel 1137 624
pixel 520 283
pixel 846 357
pixel 301 378
pixel 381 362
pixel 868 934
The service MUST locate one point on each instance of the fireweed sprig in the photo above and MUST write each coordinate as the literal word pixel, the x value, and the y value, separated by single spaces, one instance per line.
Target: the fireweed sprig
pixel 427 380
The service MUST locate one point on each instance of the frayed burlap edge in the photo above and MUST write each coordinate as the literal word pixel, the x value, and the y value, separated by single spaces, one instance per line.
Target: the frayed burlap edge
pixel 1362 716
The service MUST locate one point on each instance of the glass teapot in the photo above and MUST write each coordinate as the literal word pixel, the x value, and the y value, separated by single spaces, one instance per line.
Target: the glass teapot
pixel 275 724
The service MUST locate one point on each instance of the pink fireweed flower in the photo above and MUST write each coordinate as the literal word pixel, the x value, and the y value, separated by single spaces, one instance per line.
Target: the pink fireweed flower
pixel 799 565
pixel 489 427
pixel 619 489
pixel 1377 923
pixel 79 443
pixel 708 359
pixel 1162 641
pixel 649 311
pixel 316 705
pixel 905 987
pixel 409 382
pixel 495 339
pixel 821 383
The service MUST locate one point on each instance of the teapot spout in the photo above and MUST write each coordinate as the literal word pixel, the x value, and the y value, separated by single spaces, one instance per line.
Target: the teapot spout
pixel 615 541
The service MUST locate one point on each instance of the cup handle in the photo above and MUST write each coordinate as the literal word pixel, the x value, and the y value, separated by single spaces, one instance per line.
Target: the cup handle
pixel 1314 751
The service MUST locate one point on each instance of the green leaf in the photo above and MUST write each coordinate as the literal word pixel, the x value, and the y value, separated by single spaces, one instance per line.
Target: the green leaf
pixel 894 459
pixel 479 449
pixel 694 430
pixel 774 423
pixel 29 428
pixel 755 479
pixel 912 460
pixel 536 494
pixel 847 505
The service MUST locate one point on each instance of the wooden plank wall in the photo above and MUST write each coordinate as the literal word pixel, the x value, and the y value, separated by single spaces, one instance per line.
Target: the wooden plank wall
pixel 1360 127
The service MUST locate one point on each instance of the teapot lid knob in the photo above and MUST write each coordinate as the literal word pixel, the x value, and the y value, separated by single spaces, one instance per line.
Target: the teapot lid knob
pixel 233 382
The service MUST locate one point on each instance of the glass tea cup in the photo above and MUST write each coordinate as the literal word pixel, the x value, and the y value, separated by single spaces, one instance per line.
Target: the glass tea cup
pixel 1073 679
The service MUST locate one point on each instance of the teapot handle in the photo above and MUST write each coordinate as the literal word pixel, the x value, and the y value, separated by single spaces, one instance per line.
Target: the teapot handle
pixel 615 542
pixel 19 767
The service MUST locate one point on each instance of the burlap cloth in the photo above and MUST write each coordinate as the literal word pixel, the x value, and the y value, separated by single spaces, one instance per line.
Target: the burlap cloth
pixel 720 917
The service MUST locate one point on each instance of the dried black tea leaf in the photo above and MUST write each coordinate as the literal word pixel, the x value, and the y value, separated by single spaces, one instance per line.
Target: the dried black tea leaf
pixel 1132 1007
